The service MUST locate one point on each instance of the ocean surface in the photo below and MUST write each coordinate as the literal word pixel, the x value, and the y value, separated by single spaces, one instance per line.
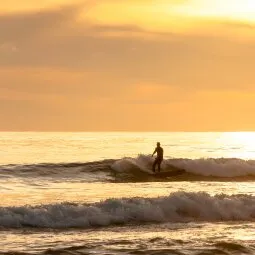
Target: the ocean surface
pixel 94 193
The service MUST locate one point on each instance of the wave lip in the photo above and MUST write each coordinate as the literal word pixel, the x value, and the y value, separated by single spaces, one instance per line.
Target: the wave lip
pixel 177 207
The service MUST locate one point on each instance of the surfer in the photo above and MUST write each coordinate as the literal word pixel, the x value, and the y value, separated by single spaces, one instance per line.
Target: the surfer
pixel 159 150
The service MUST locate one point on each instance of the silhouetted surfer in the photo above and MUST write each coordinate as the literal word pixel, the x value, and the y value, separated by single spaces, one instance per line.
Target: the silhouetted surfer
pixel 159 157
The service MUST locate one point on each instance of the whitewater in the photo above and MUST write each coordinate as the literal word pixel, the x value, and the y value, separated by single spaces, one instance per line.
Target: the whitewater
pixel 94 193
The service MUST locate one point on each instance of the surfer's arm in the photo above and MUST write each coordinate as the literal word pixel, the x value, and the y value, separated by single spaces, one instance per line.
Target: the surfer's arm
pixel 154 152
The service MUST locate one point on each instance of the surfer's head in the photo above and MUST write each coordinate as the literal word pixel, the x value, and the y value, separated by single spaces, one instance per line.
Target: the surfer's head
pixel 158 144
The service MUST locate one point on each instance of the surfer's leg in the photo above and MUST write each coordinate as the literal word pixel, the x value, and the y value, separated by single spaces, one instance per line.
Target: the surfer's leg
pixel 154 165
pixel 159 164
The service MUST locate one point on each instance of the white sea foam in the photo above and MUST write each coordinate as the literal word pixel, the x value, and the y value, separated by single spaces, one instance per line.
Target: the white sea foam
pixel 177 207
pixel 142 162
pixel 217 167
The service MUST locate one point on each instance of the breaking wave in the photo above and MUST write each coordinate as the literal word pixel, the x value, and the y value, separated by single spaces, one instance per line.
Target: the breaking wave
pixel 137 169
pixel 177 207
pixel 216 167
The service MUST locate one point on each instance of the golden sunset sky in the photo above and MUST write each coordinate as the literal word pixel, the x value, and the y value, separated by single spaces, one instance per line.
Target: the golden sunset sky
pixel 127 65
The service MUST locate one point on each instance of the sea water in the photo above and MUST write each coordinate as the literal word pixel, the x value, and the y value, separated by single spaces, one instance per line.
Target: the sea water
pixel 93 193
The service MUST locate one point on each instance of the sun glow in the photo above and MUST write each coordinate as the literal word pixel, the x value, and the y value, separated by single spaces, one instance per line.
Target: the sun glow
pixel 179 16
pixel 242 143
pixel 240 10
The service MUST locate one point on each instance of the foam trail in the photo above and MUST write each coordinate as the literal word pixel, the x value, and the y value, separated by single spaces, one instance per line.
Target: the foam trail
pixel 142 162
pixel 220 167
pixel 177 207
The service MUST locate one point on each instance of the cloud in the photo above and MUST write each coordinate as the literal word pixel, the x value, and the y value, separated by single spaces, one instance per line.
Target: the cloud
pixel 237 25
pixel 124 54
pixel 8 48
pixel 61 72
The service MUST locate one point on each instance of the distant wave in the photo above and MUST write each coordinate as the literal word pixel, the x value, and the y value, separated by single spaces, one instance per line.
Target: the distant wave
pixel 177 207
pixel 136 169
pixel 58 170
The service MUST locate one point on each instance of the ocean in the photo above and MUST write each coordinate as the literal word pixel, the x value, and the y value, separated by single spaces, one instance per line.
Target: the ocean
pixel 94 193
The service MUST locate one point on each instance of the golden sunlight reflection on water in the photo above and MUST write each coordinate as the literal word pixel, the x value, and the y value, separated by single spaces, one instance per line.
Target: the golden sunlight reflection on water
pixel 178 236
pixel 34 148
pixel 242 142
pixel 96 192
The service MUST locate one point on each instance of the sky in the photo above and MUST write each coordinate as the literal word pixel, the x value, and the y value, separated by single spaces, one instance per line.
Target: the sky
pixel 127 65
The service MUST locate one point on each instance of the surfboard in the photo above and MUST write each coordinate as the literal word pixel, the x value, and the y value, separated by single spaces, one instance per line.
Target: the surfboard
pixel 169 173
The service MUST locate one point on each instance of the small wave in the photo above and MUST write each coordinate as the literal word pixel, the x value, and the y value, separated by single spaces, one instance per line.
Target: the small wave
pixel 234 247
pixel 177 207
pixel 58 169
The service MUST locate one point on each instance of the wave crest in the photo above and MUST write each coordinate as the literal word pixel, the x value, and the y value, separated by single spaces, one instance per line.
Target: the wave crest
pixel 135 169
pixel 177 207
pixel 216 167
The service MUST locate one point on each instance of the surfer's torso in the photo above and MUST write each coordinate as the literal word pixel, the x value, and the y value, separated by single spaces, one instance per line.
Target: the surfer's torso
pixel 160 152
